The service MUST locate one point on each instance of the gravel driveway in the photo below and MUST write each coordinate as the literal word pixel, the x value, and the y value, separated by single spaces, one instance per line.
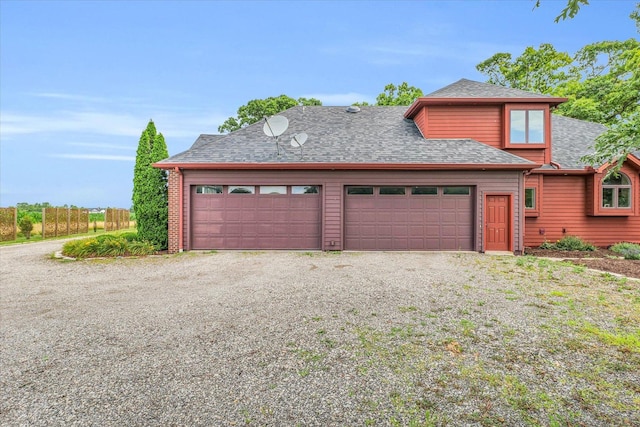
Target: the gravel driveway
pixel 291 338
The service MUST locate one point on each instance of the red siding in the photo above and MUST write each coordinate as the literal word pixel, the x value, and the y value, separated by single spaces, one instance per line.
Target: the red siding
pixel 333 182
pixel 537 156
pixel 563 203
pixel 482 123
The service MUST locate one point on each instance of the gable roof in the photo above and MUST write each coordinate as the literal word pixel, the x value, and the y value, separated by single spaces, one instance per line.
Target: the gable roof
pixel 377 136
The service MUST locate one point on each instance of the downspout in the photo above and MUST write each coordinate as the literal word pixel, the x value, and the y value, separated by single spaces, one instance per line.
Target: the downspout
pixel 181 211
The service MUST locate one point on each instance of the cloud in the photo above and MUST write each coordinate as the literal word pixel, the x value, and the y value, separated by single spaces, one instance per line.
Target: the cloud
pixel 171 124
pixel 95 157
pixel 341 98
pixel 102 146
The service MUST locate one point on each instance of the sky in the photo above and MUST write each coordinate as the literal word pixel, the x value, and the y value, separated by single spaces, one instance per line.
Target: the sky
pixel 79 80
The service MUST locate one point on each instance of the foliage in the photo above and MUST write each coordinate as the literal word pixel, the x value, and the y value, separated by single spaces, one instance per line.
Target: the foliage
pixel 570 11
pixel 601 82
pixel 108 245
pixel 257 109
pixel 26 225
pixel 36 216
pixel 627 250
pixel 569 243
pixel 403 94
pixel 150 192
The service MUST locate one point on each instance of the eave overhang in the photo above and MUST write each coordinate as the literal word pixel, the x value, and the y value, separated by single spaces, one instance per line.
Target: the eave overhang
pixel 346 166
pixel 419 103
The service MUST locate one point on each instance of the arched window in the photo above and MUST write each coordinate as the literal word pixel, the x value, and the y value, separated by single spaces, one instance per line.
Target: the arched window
pixel 616 191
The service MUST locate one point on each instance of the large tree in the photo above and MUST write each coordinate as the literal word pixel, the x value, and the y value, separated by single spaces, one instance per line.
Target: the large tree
pixel 601 82
pixel 256 109
pixel 403 94
pixel 150 193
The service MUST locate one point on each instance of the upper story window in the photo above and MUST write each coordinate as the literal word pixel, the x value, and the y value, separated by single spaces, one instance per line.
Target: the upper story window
pixel 616 192
pixel 527 126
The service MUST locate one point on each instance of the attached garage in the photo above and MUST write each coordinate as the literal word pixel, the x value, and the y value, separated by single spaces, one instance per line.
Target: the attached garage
pixel 255 217
pixel 409 218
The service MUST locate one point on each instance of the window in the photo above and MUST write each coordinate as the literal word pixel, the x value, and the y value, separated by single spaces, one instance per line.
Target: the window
pixel 360 190
pixel 242 189
pixel 526 126
pixel 530 198
pixel 273 189
pixel 392 190
pixel 616 192
pixel 304 189
pixel 456 191
pixel 424 190
pixel 208 189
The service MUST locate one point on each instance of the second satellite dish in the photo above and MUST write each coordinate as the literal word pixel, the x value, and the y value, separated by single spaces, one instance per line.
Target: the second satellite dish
pixel 275 126
pixel 299 139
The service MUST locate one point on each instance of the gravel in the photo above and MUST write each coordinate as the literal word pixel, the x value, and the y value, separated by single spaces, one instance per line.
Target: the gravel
pixel 297 338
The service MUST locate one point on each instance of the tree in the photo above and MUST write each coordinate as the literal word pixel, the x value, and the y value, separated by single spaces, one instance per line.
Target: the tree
pixel 402 94
pixel 150 192
pixel 256 109
pixel 601 82
pixel 570 11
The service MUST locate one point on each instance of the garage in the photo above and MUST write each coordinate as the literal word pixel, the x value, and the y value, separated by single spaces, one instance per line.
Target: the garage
pixel 409 218
pixel 255 217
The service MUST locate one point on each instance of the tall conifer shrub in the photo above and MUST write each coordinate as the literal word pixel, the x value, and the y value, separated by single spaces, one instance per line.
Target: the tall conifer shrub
pixel 150 195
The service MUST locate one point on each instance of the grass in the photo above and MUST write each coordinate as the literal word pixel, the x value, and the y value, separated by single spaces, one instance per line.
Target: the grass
pixel 578 368
pixel 36 235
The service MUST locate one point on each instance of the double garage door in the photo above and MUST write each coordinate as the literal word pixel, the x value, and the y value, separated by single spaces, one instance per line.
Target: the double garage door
pixel 290 217
pixel 255 217
pixel 409 218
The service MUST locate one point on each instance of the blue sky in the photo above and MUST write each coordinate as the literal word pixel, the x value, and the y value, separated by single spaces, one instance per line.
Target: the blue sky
pixel 79 80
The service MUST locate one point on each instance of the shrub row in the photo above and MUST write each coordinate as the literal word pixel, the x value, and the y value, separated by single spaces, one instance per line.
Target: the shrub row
pixel 569 243
pixel 108 245
pixel 627 250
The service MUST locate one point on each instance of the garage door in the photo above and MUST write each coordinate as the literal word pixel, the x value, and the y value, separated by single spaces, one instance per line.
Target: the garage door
pixel 409 218
pixel 255 217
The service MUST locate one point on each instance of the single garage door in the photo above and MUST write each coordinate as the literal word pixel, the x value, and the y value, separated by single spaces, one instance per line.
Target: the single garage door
pixel 255 217
pixel 409 218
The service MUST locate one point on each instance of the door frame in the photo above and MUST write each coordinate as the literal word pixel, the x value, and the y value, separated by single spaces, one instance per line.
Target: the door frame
pixel 510 218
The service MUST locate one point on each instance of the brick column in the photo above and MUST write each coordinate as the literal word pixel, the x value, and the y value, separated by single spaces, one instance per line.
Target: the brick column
pixel 174 212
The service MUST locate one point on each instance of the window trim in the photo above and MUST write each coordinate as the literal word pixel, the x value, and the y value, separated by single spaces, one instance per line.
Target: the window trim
pixel 616 193
pixel 508 108
pixel 533 182
pixel 596 186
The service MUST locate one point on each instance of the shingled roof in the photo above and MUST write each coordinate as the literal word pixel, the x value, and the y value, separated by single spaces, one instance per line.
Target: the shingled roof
pixel 374 135
pixel 464 88
pixel 571 139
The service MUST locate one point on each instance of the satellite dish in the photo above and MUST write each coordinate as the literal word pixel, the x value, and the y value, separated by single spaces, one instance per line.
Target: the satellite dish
pixel 275 126
pixel 299 139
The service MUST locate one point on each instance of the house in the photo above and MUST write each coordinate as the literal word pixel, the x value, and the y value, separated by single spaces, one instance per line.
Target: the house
pixel 471 166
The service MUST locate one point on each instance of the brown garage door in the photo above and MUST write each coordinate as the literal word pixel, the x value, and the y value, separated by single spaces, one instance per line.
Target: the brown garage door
pixel 255 217
pixel 409 218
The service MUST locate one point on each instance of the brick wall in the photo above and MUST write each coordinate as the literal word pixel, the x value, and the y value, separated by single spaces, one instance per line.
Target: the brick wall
pixel 174 212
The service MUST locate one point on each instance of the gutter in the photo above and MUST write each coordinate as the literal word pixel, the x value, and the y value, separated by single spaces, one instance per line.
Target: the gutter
pixel 348 166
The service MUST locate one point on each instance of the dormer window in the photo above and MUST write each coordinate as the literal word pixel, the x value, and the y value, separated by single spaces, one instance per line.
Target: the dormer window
pixel 616 192
pixel 526 126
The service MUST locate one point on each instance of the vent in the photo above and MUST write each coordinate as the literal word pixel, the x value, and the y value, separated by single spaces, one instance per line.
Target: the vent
pixel 353 109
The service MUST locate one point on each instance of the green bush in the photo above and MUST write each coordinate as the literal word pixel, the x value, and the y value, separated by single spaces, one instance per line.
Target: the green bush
pixel 26 226
pixel 569 243
pixel 627 250
pixel 108 245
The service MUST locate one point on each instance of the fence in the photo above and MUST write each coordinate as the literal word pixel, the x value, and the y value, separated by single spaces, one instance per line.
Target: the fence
pixel 64 222
pixel 116 219
pixel 8 224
